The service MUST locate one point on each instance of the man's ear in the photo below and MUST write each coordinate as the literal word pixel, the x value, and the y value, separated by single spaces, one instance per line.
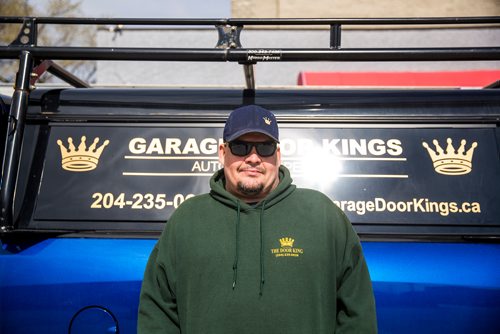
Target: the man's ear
pixel 278 156
pixel 222 153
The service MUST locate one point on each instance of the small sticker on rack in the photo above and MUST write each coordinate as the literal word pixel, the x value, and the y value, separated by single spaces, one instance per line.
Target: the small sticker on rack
pixel 264 55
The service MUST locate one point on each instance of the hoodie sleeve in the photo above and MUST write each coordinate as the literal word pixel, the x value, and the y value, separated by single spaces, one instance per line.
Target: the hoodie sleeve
pixel 158 304
pixel 355 301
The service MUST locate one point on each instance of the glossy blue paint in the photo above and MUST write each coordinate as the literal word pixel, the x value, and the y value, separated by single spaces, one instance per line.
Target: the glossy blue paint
pixel 435 287
pixel 419 287
pixel 44 286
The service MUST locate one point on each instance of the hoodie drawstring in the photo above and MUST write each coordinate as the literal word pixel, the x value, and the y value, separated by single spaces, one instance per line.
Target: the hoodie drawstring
pixel 235 264
pixel 261 248
pixel 261 255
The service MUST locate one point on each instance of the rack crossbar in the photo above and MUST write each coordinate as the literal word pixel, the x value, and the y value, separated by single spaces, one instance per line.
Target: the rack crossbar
pixel 255 55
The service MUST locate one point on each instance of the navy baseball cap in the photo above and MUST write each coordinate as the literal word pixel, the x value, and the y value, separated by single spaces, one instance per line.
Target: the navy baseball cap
pixel 251 118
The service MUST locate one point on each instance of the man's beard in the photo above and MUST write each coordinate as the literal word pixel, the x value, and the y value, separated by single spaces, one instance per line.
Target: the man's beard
pixel 250 190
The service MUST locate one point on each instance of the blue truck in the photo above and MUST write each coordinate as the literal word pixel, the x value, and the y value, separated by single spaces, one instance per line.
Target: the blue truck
pixel 91 175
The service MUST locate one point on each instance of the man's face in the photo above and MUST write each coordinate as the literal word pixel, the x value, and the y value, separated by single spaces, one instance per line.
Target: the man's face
pixel 251 177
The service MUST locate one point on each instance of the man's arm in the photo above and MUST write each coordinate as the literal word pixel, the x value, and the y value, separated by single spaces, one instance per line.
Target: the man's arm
pixel 157 306
pixel 355 301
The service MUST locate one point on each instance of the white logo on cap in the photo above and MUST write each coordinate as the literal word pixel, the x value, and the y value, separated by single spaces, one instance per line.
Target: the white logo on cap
pixel 267 120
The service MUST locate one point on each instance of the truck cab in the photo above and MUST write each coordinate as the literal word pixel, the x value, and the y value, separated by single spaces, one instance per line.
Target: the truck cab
pixel 91 175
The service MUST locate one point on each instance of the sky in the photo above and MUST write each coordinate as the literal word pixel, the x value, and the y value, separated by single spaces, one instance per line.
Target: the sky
pixel 155 8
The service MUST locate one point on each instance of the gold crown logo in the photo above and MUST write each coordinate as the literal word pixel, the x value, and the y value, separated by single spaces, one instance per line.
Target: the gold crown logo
pixel 286 242
pixel 81 159
pixel 451 162
pixel 267 120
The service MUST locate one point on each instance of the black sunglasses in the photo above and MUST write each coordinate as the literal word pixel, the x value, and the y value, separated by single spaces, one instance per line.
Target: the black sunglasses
pixel 243 148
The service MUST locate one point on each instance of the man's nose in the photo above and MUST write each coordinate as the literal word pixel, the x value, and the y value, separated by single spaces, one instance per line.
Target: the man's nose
pixel 253 157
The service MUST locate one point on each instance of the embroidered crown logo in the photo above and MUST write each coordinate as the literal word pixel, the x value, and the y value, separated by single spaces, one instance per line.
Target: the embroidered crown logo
pixel 267 120
pixel 286 249
pixel 451 162
pixel 286 242
pixel 81 159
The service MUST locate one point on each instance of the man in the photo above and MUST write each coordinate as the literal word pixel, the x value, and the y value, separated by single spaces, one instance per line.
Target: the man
pixel 256 254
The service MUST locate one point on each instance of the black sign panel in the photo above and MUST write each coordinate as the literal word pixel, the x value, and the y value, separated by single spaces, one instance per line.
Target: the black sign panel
pixel 440 176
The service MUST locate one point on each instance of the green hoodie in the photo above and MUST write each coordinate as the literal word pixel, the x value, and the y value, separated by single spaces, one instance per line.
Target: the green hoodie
pixel 290 264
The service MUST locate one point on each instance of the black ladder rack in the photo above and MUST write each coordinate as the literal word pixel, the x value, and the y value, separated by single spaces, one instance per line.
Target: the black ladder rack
pixel 228 48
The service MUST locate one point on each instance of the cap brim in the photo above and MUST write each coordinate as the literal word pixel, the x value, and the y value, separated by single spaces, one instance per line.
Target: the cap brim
pixel 240 133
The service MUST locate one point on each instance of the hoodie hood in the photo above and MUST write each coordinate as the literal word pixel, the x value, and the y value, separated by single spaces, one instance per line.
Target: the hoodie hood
pixel 219 193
